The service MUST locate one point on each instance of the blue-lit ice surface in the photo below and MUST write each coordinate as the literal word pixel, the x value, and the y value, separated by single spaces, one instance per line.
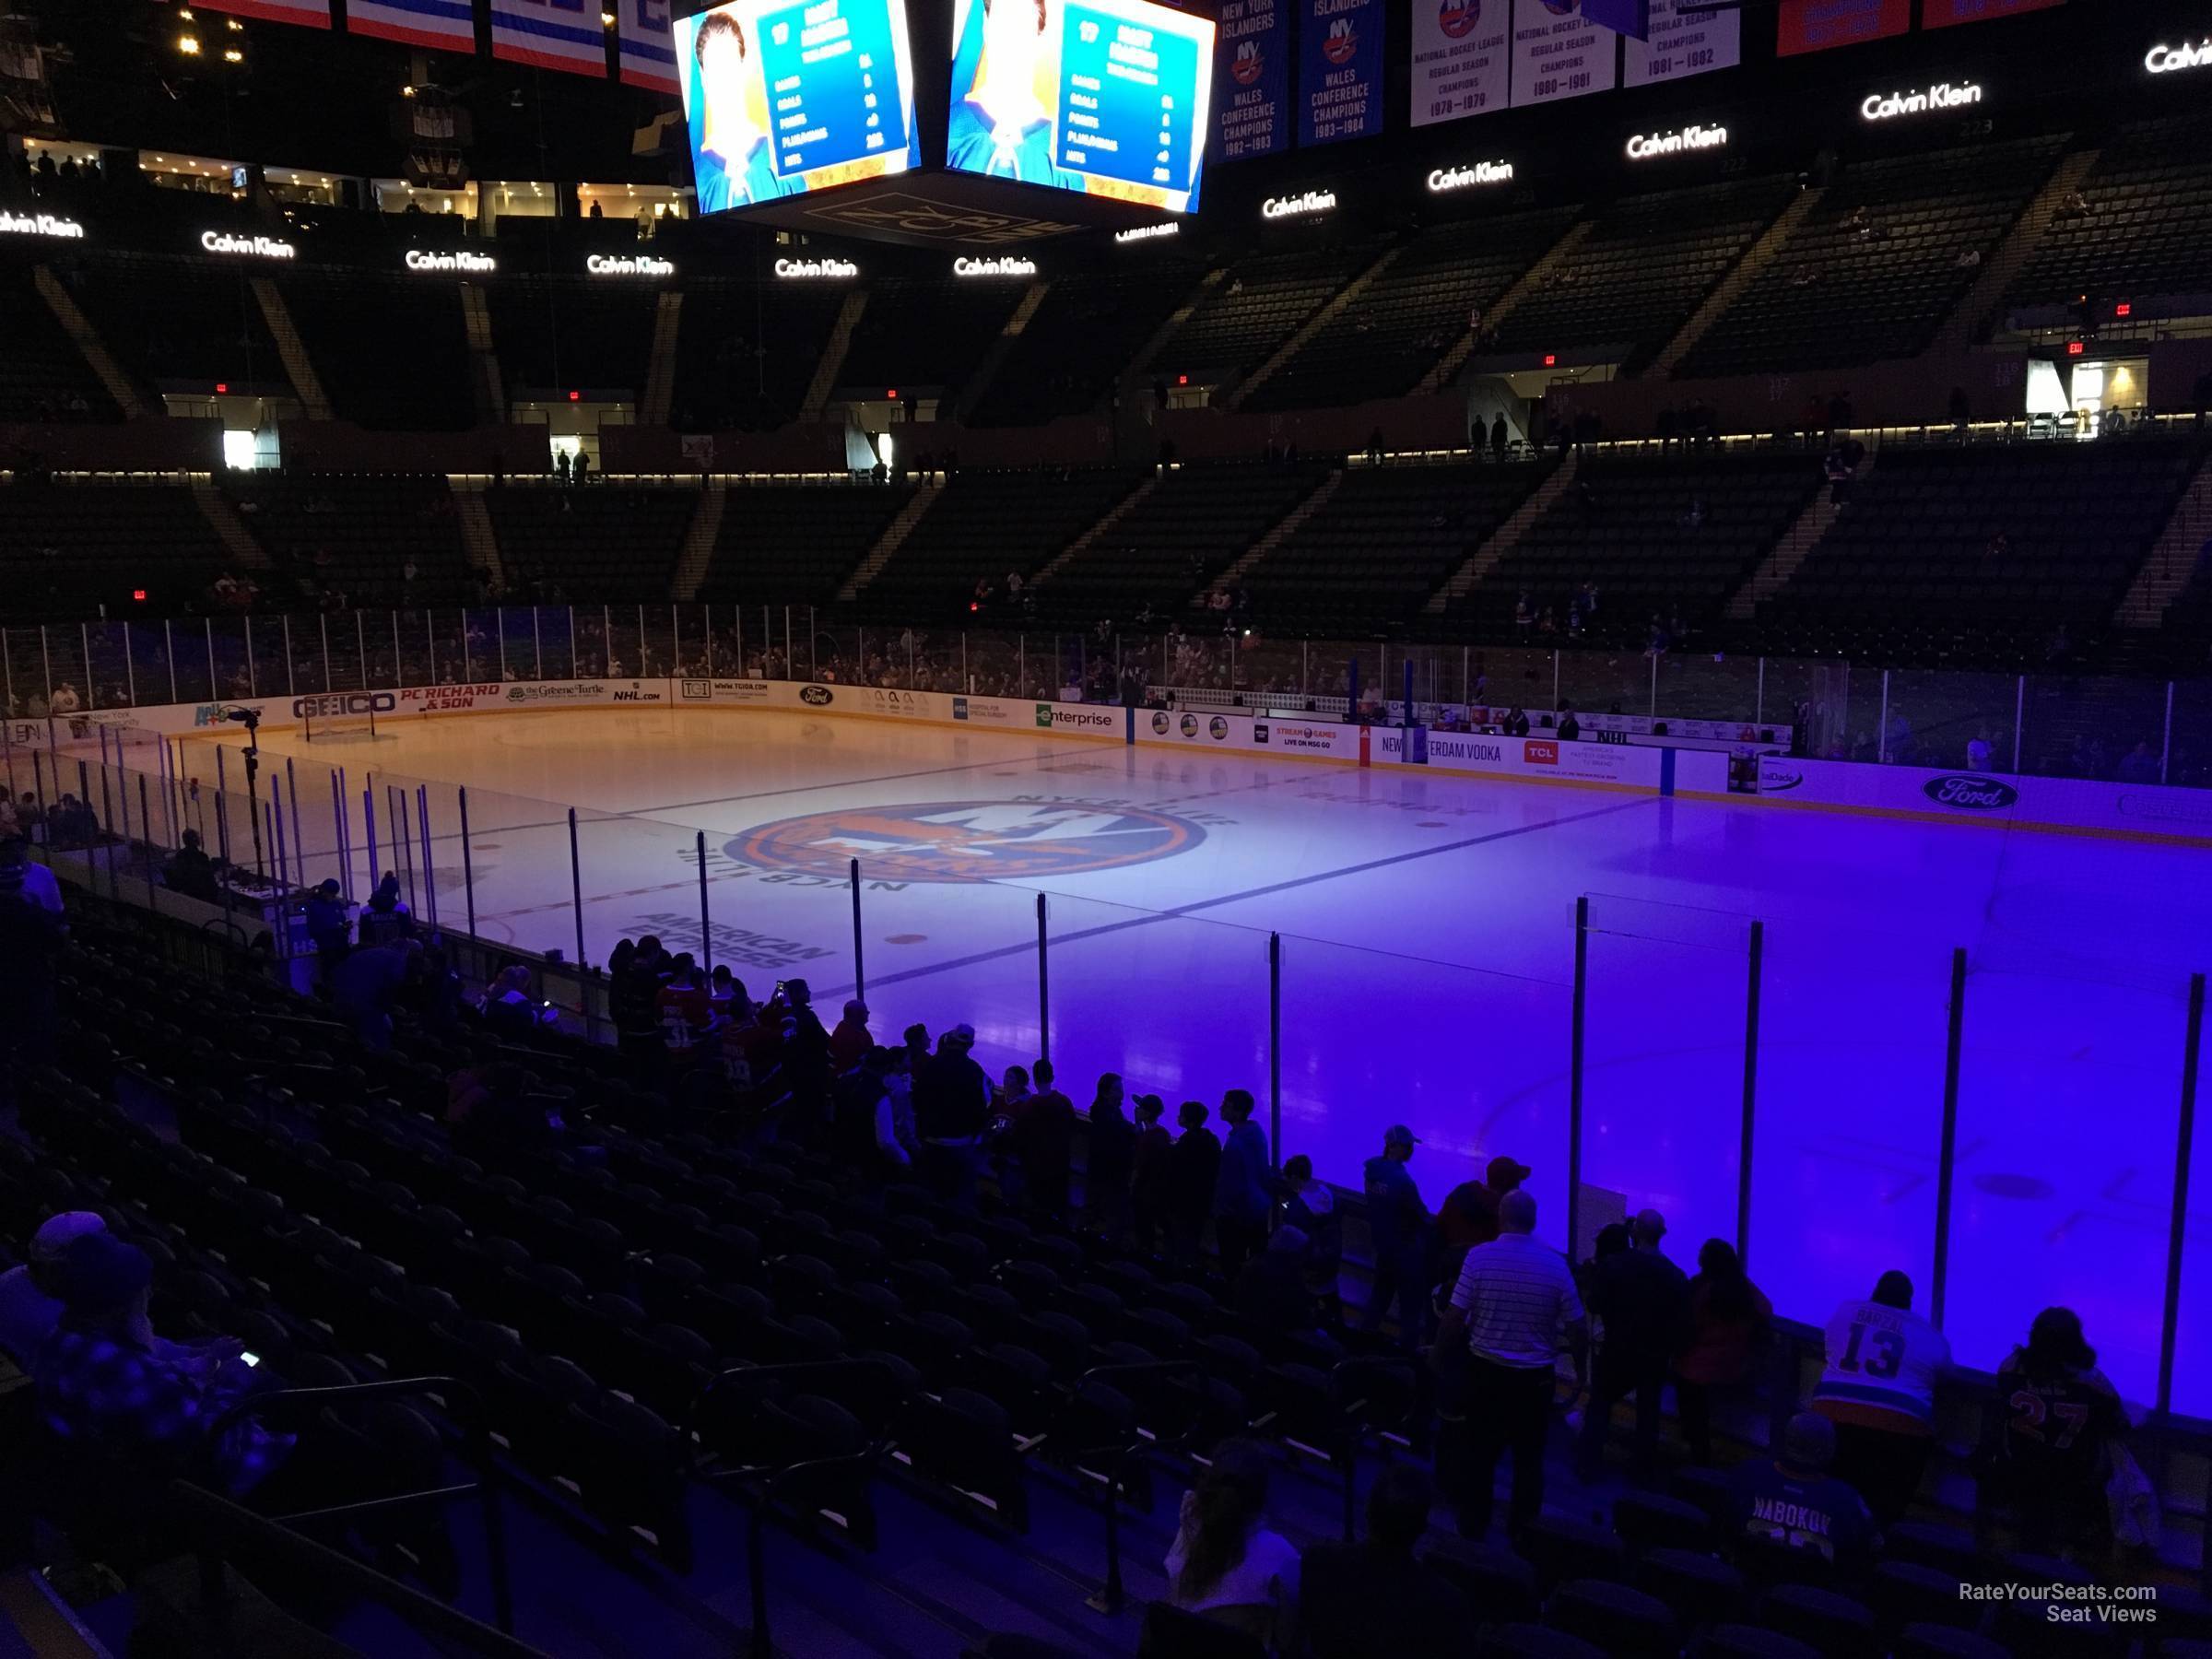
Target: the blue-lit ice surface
pixel 1428 967
pixel 832 68
pixel 1129 98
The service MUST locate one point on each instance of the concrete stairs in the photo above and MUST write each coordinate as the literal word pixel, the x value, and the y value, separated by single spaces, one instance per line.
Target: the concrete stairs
pixel 229 529
pixel 1281 533
pixel 1484 558
pixel 2172 558
pixel 490 390
pixel 1075 549
pixel 1782 560
pixel 1746 271
pixel 833 356
pixel 697 554
pixel 1524 284
pixel 1176 319
pixel 110 373
pixel 892 539
pixel 1964 326
pixel 986 369
pixel 291 351
pixel 479 540
pixel 1313 326
pixel 660 367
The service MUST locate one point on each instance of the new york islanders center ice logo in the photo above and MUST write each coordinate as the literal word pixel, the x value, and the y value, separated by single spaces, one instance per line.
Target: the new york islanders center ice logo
pixel 967 841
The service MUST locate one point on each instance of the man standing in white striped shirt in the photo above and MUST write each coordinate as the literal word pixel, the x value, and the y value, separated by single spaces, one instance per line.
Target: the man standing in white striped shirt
pixel 1516 1309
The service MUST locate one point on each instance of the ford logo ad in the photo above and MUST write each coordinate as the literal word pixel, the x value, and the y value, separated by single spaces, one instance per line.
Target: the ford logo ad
pixel 817 695
pixel 1970 795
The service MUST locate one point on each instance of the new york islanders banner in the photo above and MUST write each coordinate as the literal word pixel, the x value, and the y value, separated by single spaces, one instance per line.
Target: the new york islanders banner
pixel 1339 70
pixel 1251 80
pixel 551 34
pixel 648 45
pixel 446 25
pixel 311 14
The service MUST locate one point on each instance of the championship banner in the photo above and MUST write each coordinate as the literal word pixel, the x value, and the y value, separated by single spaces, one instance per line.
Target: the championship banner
pixel 1339 70
pixel 1684 41
pixel 551 34
pixel 1943 13
pixel 1251 80
pixel 647 46
pixel 1462 58
pixel 309 14
pixel 1817 25
pixel 1559 53
pixel 444 25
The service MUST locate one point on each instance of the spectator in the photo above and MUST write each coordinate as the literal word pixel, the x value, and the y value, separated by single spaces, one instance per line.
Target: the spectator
pixel 1879 1391
pixel 1044 1145
pixel 1978 757
pixel 858 1110
pixel 1641 1301
pixel 634 996
pixel 1469 1214
pixel 2140 765
pixel 1500 438
pixel 685 1005
pixel 799 1086
pixel 1729 1321
pixel 115 1394
pixel 952 1112
pixel 31 1296
pixel 510 1012
pixel 1570 727
pixel 190 872
pixel 387 917
pixel 1194 1169
pixel 491 1110
pixel 1111 1152
pixel 365 987
pixel 1514 1307
pixel 31 931
pixel 1151 1190
pixel 1375 1600
pixel 916 1038
pixel 850 1040
pixel 1795 1502
pixel 2063 1417
pixel 1241 1199
pixel 1310 1206
pixel 1271 1288
pixel 1224 1562
pixel 1401 1230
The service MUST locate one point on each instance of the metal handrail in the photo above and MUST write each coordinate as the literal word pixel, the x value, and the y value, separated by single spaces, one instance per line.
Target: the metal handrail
pixel 220 1526
pixel 770 1481
pixel 1109 1596
pixel 477 1437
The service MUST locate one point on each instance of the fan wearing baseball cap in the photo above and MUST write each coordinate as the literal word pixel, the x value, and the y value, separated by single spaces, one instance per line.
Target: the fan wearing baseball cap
pixel 31 1296
pixel 1403 1235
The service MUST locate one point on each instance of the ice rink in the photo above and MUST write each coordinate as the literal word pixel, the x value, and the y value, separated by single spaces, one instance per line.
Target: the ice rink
pixel 1428 965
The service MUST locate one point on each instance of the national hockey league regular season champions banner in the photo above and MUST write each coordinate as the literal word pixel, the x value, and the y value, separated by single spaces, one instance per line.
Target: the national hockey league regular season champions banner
pixel 1558 52
pixel 1462 58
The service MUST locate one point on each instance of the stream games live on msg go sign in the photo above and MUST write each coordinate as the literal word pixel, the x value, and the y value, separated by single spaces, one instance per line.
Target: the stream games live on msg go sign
pixel 1110 98
pixel 786 97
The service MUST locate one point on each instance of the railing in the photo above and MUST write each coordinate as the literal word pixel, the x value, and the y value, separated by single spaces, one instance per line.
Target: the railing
pixel 2050 722
pixel 447 1392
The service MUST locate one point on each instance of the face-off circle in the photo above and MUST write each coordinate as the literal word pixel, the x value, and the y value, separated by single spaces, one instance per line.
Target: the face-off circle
pixel 967 841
